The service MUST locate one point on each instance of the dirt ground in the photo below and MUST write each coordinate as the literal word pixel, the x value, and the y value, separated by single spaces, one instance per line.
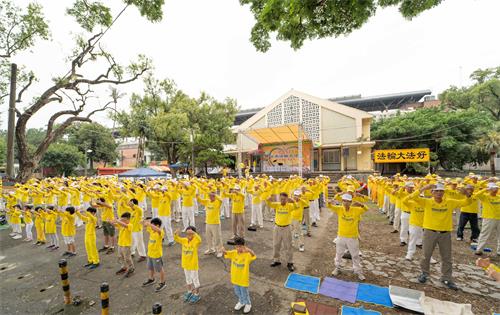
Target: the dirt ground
pixel 31 283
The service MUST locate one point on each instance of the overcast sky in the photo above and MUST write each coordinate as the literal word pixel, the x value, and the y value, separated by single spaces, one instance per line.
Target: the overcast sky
pixel 204 46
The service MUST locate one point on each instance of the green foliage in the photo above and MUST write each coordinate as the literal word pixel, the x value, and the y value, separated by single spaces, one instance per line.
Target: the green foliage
pixel 63 158
pixel 151 9
pixel 297 20
pixel 483 95
pixel 20 29
pixel 95 137
pixel 450 135
pixel 90 14
pixel 174 124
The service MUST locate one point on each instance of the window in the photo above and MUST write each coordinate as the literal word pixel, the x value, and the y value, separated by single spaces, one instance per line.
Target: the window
pixel 331 156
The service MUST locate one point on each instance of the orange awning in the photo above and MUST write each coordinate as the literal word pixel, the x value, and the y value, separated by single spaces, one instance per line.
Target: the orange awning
pixel 286 133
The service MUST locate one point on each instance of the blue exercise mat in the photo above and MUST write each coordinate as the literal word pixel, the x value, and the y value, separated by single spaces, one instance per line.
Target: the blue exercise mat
pixel 348 310
pixel 374 294
pixel 296 281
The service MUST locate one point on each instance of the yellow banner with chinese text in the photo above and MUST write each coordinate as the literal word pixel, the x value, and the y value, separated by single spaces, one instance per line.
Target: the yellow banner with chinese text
pixel 401 155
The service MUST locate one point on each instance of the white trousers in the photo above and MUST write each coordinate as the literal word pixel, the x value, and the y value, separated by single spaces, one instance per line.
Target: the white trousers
pixel 225 210
pixel 314 210
pixel 257 214
pixel 187 216
pixel 154 212
pixel 16 228
pixel 397 218
pixel 29 231
pixel 192 278
pixel 166 223
pixel 416 234
pixel 405 224
pixel 176 208
pixel 385 207
pixel 138 243
pixel 488 229
pixel 352 244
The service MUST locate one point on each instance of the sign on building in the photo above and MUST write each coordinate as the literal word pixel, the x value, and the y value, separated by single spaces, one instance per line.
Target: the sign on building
pixel 402 155
pixel 285 158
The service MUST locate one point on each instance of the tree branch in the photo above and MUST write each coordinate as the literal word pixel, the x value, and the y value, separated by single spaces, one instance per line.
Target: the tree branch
pixel 117 82
pixel 20 94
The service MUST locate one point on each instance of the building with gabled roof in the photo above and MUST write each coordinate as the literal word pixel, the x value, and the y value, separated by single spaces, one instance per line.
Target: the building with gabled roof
pixel 333 137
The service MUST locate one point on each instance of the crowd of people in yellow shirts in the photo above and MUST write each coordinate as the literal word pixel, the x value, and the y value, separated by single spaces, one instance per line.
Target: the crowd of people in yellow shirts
pixel 127 208
pixel 420 209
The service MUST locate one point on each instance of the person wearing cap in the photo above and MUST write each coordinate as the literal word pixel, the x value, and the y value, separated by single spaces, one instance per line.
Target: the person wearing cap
pixel 282 233
pixel 490 199
pixel 437 224
pixel 349 214
pixel 469 214
pixel 237 211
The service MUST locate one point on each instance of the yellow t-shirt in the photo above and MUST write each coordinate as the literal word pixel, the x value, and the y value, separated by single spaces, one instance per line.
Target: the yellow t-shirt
pixel 348 220
pixel 438 216
pixel 155 249
pixel 298 211
pixel 491 205
pixel 164 204
pixel 107 214
pixel 188 195
pixel 473 207
pixel 125 235
pixel 238 200
pixel 90 222
pixel 15 216
pixel 240 267
pixel 212 209
pixel 68 227
pixel 135 219
pixel 28 219
pixel 50 222
pixel 189 259
pixel 416 213
pixel 283 212
pixel 155 199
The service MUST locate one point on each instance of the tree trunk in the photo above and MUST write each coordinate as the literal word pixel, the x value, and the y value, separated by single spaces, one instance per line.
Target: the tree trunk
pixel 493 155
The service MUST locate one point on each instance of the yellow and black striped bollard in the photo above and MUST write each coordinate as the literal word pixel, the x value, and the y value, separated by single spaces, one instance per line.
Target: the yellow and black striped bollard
pixel 157 308
pixel 104 298
pixel 63 269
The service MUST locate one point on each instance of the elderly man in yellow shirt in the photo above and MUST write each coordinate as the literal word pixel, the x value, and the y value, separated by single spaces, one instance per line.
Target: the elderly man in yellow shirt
pixel 349 215
pixel 438 224
pixel 282 233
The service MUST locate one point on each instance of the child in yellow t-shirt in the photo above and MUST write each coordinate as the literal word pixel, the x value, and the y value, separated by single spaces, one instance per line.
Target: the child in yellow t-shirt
pixel 125 244
pixel 241 258
pixel 28 221
pixel 90 219
pixel 39 225
pixel 155 253
pixel 50 217
pixel 15 222
pixel 190 245
pixel 68 230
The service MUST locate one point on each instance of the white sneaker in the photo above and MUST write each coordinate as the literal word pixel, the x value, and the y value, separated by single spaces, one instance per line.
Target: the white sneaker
pixel 361 277
pixel 336 272
pixel 238 306
pixel 219 255
pixel 301 248
pixel 261 226
pixel 247 309
pixel 433 261
pixel 16 237
pixel 209 251
pixel 408 258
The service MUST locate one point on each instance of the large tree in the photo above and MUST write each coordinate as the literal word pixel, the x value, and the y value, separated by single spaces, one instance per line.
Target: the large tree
pixel 96 140
pixel 173 125
pixel 63 158
pixel 452 136
pixel 89 67
pixel 298 20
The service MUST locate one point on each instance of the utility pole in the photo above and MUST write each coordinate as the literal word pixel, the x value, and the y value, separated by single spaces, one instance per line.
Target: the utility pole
pixel 12 121
pixel 191 136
